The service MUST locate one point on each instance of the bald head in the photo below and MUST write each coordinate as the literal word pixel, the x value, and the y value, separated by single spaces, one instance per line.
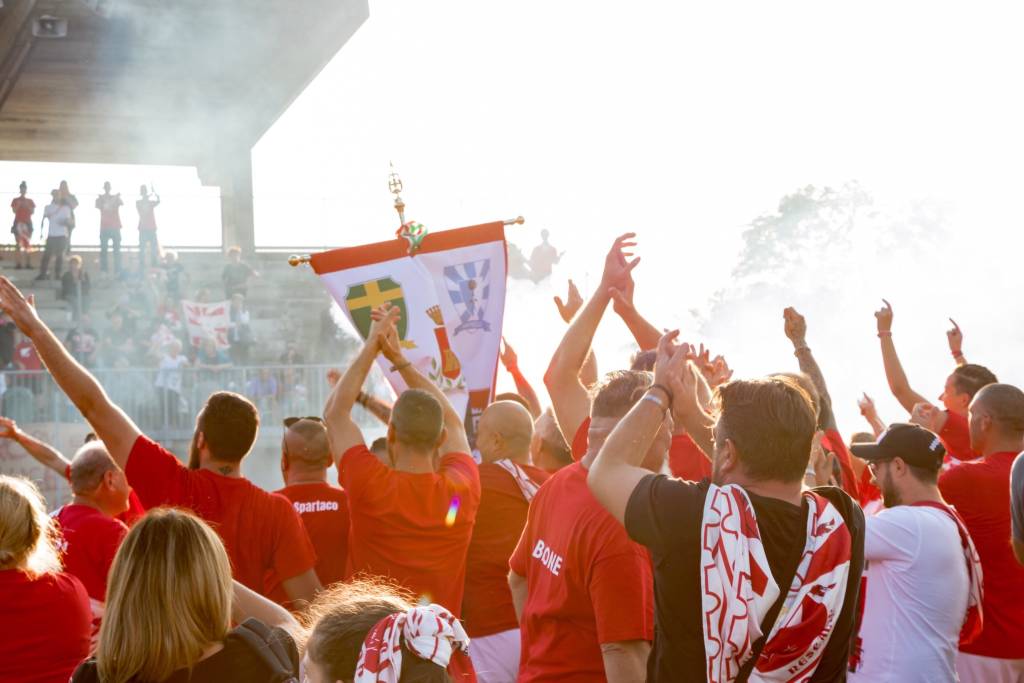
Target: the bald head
pixel 306 444
pixel 88 466
pixel 1004 404
pixel 505 431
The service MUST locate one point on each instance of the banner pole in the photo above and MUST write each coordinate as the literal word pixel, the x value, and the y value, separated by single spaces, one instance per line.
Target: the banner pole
pixel 296 260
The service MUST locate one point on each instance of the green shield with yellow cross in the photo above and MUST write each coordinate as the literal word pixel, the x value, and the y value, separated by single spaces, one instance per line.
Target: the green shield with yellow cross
pixel 366 296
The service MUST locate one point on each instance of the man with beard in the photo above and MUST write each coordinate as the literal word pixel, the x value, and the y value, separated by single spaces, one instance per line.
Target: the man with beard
pixel 726 551
pixel 980 492
pixel 261 531
pixel 922 593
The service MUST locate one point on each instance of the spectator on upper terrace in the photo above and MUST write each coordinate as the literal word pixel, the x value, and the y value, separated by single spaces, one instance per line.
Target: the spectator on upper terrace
pixel 211 359
pixel 292 355
pixel 74 288
pixel 175 276
pixel 146 206
pixel 262 389
pixel 71 201
pixel 169 382
pixel 59 218
pixel 82 342
pixel 236 274
pixel 109 206
pixel 239 330
pixel 23 208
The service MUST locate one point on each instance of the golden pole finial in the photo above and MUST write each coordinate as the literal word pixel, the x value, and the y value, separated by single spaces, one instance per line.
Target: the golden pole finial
pixel 395 187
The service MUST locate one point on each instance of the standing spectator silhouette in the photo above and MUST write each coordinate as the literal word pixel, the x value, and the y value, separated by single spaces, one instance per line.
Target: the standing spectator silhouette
pixel 109 206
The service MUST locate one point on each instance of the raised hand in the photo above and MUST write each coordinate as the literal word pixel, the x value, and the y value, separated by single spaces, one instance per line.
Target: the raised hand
pixel 508 355
pixel 333 375
pixel 883 317
pixel 956 339
pixel 622 299
pixel 795 326
pixel 720 373
pixel 8 429
pixel 618 264
pixel 383 331
pixel 867 406
pixel 19 309
pixel 573 302
pixel 927 416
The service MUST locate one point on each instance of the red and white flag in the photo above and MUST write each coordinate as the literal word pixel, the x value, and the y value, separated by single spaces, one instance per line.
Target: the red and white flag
pixel 208 320
pixel 452 297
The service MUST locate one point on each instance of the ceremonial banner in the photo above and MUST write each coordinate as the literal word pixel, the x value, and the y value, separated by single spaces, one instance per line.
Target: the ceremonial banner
pixel 452 297
pixel 208 320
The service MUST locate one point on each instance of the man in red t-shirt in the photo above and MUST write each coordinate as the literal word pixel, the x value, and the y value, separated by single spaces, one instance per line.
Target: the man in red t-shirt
pixel 261 531
pixel 508 483
pixel 90 530
pixel 582 589
pixel 305 458
pixel 412 521
pixel 980 492
pixel 109 206
pixel 961 386
pixel 23 208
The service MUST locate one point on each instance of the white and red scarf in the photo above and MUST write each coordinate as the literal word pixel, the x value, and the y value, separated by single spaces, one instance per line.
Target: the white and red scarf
pixel 430 632
pixel 738 589
pixel 526 485
pixel 973 617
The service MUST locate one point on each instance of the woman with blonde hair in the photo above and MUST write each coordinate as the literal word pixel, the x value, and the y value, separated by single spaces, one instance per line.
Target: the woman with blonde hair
pixel 372 632
pixel 45 616
pixel 170 605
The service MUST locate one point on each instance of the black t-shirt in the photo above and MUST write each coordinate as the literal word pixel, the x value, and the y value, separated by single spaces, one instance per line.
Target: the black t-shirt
pixel 665 515
pixel 237 661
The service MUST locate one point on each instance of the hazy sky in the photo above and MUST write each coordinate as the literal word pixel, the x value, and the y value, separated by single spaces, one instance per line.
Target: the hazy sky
pixel 681 121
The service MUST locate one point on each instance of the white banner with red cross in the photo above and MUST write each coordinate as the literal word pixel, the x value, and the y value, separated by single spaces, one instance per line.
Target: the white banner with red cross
pixel 208 321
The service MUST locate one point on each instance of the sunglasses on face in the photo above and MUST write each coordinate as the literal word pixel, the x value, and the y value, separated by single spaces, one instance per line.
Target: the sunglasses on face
pixel 289 421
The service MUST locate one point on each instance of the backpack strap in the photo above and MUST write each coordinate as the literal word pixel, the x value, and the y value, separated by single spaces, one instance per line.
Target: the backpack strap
pixel 272 650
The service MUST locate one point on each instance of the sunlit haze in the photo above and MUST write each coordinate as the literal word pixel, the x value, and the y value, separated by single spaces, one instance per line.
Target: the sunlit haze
pixel 682 122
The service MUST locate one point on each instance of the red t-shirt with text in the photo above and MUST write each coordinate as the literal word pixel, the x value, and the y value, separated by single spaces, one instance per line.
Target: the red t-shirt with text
pixel 89 541
pixel 412 527
pixel 261 531
pixel 588 583
pixel 324 512
pixel 45 625
pixel 980 492
pixel 487 604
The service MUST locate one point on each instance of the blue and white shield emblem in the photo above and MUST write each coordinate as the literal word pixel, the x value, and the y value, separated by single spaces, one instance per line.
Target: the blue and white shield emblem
pixel 469 288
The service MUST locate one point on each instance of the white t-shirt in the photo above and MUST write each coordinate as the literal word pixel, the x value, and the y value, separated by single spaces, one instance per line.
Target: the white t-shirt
pixel 59 216
pixel 169 375
pixel 917 588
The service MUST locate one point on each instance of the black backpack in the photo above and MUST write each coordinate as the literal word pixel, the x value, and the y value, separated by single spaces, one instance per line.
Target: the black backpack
pixel 274 648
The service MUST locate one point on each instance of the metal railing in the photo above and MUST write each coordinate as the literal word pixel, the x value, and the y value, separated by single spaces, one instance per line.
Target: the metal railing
pixel 164 403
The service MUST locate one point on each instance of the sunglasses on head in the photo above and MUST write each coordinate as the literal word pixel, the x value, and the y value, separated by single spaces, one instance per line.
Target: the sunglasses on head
pixel 289 421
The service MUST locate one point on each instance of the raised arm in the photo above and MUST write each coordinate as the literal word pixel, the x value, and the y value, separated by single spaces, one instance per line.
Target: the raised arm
pixel 569 398
pixel 956 343
pixel 248 604
pixel 342 431
pixel 645 334
pixel 115 429
pixel 375 406
pixel 616 471
pixel 45 454
pixel 870 413
pixel 796 332
pixel 511 362
pixel 898 383
pixel 568 310
pixel 455 440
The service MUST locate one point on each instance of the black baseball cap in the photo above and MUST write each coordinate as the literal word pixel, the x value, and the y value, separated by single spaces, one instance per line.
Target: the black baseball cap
pixel 913 444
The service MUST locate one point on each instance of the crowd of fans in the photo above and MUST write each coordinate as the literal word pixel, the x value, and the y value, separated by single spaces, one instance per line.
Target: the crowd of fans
pixel 664 522
pixel 145 327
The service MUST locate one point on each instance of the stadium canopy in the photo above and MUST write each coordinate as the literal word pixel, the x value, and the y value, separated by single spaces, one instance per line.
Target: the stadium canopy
pixel 162 82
